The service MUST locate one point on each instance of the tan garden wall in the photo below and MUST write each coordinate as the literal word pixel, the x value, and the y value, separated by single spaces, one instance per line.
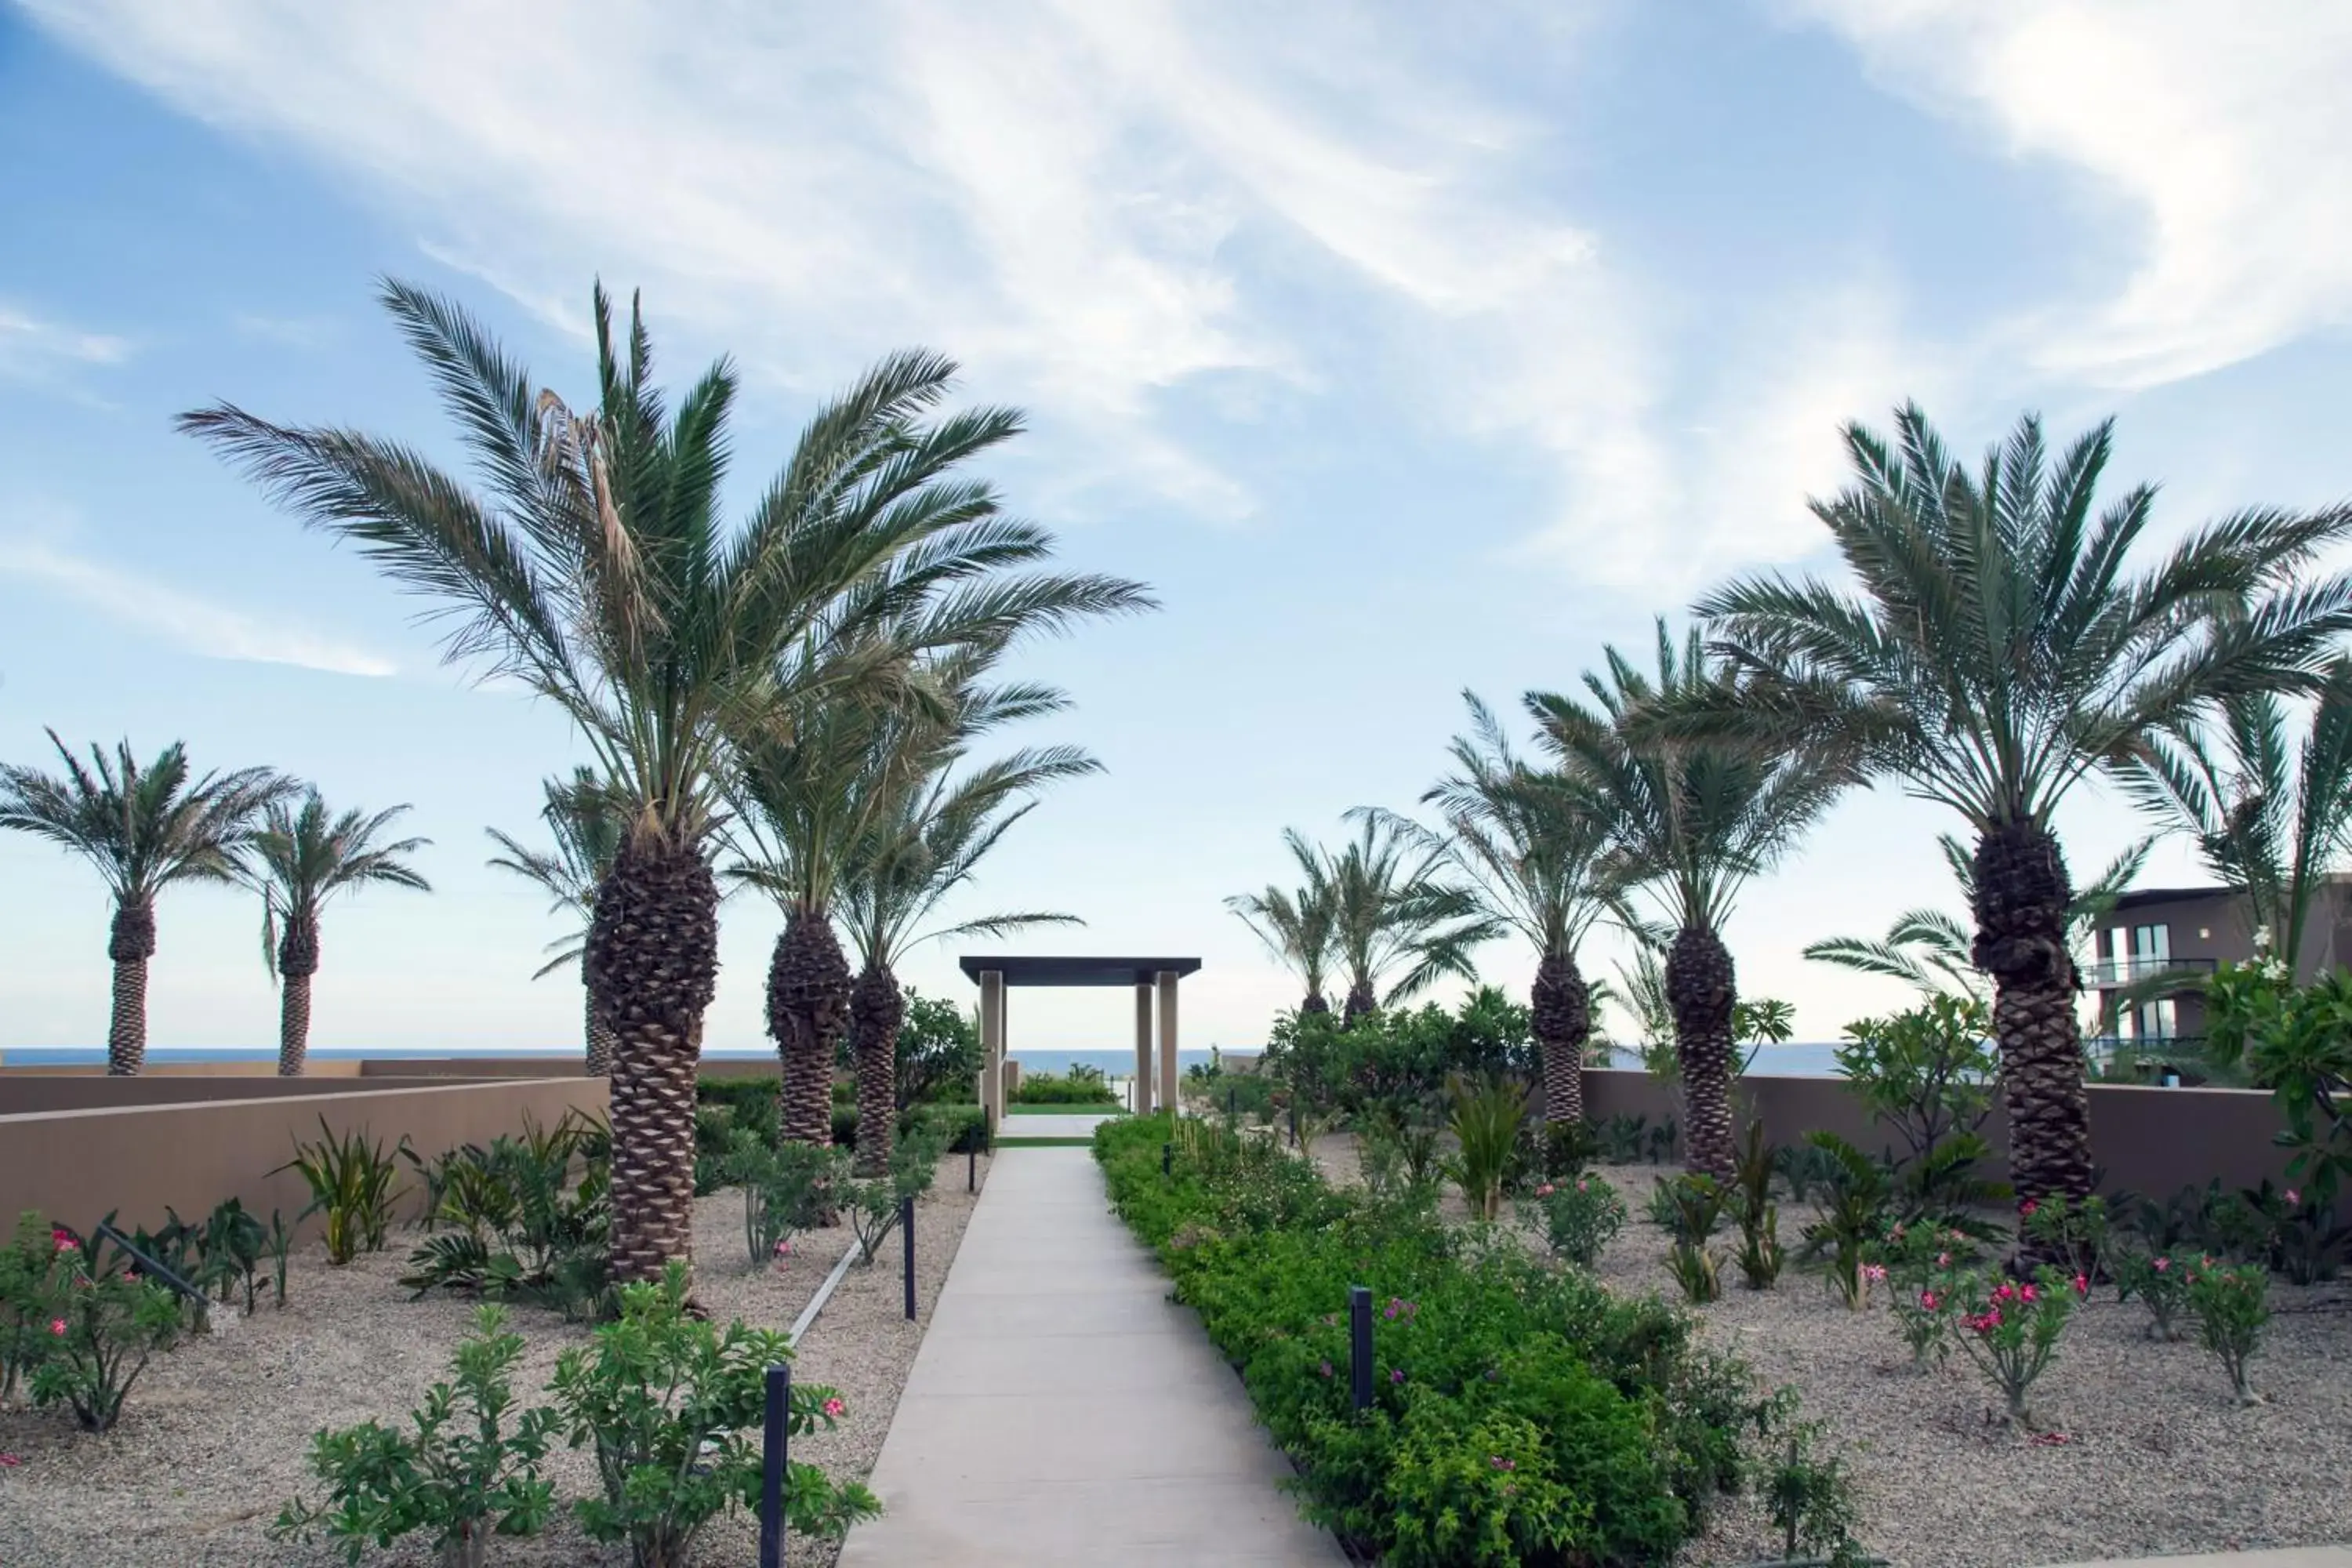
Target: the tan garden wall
pixel 20 1096
pixel 2149 1140
pixel 75 1165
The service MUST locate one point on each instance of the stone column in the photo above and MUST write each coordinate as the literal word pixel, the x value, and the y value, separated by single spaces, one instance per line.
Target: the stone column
pixel 992 1045
pixel 1142 1094
pixel 1168 1096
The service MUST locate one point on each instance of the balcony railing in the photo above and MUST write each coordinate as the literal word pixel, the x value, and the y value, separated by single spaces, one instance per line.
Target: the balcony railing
pixel 2110 974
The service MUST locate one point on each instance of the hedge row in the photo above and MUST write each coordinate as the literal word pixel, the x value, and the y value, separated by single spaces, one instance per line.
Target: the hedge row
pixel 751 1102
pixel 1522 1415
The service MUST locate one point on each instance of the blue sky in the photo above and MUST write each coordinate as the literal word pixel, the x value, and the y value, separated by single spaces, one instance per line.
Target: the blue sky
pixel 1400 349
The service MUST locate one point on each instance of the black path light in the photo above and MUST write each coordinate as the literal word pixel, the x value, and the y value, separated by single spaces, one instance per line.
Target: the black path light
pixel 907 1225
pixel 771 1467
pixel 1359 1345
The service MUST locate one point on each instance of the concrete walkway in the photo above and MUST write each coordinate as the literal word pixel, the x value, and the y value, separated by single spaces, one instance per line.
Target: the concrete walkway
pixel 1064 1411
pixel 1044 1125
pixel 2291 1557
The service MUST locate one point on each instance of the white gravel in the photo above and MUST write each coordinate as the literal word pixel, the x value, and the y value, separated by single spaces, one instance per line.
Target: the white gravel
pixel 2145 1453
pixel 215 1435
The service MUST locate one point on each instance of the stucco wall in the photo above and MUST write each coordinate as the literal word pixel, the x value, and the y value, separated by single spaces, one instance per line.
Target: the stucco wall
pixel 75 1165
pixel 2149 1140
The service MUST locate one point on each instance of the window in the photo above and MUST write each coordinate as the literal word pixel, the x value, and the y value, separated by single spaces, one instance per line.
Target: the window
pixel 2153 1021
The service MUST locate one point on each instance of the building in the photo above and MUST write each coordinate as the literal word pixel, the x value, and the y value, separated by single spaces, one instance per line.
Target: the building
pixel 2156 934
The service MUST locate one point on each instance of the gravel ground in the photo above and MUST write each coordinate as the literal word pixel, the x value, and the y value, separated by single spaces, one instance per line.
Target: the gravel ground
pixel 2145 1454
pixel 214 1437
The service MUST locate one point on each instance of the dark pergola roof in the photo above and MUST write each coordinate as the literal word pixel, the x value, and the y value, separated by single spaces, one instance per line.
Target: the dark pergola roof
pixel 1077 971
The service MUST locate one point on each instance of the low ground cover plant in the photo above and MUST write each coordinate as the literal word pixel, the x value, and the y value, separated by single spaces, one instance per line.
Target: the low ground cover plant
pixel 1577 1216
pixel 1522 1414
pixel 524 1227
pixel 1082 1085
pixel 2011 1330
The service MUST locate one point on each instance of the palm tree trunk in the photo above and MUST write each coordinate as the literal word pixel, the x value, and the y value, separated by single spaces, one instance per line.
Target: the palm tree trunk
pixel 130 944
pixel 1361 999
pixel 876 1010
pixel 2021 895
pixel 293 1025
pixel 1560 1014
pixel 1315 1002
pixel 298 959
pixel 601 1039
pixel 808 1007
pixel 1702 987
pixel 653 952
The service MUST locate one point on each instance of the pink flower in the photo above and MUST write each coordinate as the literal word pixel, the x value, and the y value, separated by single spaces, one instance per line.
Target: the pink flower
pixel 2027 1292
pixel 1544 1191
pixel 1928 1299
pixel 62 1240
pixel 1396 1374
pixel 1943 1260
pixel 1326 1369
pixel 2082 1284
pixel 783 1248
pixel 9 1461
pixel 1501 1463
pixel 1392 1306
pixel 834 1408
pixel 57 1326
pixel 2161 1264
pixel 1874 1272
pixel 1583 1185
pixel 2293 1197
pixel 2026 1208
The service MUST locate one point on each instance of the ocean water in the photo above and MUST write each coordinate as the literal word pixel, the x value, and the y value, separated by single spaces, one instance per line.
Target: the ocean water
pixel 1795 1059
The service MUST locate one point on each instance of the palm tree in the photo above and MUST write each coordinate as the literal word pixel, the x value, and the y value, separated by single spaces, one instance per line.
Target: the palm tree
pixel 1929 949
pixel 588 829
pixel 1296 927
pixel 301 857
pixel 1390 908
pixel 1529 845
pixel 594 569
pixel 2270 816
pixel 1690 822
pixel 1997 647
pixel 924 845
pixel 144 829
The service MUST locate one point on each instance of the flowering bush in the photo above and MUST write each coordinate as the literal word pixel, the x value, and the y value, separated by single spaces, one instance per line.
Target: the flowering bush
pixel 2011 1330
pixel 2159 1282
pixel 1578 1217
pixel 2072 1237
pixel 80 1331
pixel 2231 1306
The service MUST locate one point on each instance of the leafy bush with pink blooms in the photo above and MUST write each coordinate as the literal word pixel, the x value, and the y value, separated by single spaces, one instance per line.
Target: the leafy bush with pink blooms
pixel 2011 1330
pixel 1578 1217
pixel 79 1330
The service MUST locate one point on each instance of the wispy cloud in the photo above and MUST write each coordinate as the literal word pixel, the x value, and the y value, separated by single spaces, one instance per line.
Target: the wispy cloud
pixel 196 625
pixel 2216 142
pixel 34 347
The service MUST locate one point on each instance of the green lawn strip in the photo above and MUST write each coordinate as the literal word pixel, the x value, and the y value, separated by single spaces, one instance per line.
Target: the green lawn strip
pixel 1105 1108
pixel 1004 1143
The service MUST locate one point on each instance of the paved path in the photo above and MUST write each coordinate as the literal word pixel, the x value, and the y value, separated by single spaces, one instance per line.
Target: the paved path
pixel 1064 1411
pixel 2293 1557
pixel 1076 1124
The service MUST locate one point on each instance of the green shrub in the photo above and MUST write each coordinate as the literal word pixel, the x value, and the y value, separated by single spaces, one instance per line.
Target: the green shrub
pixel 1617 1428
pixel 461 1479
pixel 2161 1284
pixel 1811 1503
pixel 786 1190
pixel 2231 1306
pixel 521 1228
pixel 1488 1117
pixel 351 1180
pixel 1082 1085
pixel 671 1405
pixel 939 1053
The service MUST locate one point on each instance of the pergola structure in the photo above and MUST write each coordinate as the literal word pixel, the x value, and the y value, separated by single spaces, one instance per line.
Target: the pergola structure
pixel 1150 977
